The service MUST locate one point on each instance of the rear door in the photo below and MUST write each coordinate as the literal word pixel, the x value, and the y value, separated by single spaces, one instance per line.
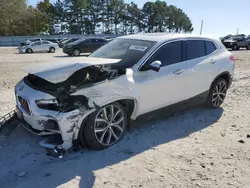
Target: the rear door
pixel 201 57
pixel 45 45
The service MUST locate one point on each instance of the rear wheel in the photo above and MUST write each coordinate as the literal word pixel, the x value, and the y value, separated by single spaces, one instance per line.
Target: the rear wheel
pixel 248 47
pixel 52 50
pixel 29 50
pixel 217 93
pixel 105 127
pixel 76 52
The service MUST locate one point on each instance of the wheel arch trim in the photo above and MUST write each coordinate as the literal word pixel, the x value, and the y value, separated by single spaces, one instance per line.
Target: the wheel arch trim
pixel 220 75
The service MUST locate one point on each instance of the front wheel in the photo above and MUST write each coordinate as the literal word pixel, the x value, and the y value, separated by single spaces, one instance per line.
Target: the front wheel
pixel 76 52
pixel 235 47
pixel 105 127
pixel 29 51
pixel 217 93
pixel 248 47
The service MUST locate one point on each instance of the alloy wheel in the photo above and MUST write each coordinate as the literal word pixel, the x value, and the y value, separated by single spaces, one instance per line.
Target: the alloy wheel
pixel 76 52
pixel 219 94
pixel 109 125
pixel 52 50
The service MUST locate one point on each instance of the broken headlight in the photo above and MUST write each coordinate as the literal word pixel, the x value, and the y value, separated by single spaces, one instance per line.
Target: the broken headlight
pixel 48 104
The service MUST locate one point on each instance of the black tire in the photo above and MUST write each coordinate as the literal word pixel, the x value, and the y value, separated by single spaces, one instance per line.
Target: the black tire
pixel 217 93
pixel 235 47
pixel 87 133
pixel 248 47
pixel 29 50
pixel 76 52
pixel 52 50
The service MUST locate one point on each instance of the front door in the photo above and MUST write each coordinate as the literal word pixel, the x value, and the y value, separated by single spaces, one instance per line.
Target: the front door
pixel 166 87
pixel 37 46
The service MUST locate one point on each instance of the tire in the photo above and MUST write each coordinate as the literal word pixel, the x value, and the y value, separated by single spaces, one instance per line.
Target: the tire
pixel 29 50
pixel 248 47
pixel 217 93
pixel 235 47
pixel 52 50
pixel 76 52
pixel 98 132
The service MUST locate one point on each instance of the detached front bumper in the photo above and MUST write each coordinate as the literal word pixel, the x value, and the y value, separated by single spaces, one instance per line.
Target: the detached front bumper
pixel 47 122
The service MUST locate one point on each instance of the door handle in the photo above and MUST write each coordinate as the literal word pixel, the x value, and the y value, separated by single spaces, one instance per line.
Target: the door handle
pixel 212 61
pixel 178 71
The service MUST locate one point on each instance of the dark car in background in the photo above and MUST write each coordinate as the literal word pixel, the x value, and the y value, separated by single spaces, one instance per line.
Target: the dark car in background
pixel 87 45
pixel 67 41
pixel 237 42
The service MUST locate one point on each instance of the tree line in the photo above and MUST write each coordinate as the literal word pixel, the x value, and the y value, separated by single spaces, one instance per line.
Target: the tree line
pixel 91 17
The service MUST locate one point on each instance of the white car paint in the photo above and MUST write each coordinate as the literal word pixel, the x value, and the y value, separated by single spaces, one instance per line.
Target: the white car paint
pixel 150 90
pixel 39 46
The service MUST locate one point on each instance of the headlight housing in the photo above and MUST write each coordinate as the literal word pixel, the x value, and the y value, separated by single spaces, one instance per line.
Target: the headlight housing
pixel 48 104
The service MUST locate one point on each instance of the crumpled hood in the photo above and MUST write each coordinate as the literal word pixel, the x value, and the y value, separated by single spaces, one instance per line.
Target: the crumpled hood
pixel 62 69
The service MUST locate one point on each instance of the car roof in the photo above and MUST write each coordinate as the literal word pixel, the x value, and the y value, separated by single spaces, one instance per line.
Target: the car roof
pixel 161 37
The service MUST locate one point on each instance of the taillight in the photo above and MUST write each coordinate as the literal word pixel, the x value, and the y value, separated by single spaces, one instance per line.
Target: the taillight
pixel 232 58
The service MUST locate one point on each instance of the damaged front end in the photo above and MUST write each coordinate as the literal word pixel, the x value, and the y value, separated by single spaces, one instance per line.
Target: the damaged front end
pixel 50 106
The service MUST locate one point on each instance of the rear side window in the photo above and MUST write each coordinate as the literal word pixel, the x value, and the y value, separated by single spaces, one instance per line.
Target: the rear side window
pixel 169 54
pixel 45 42
pixel 210 47
pixel 100 40
pixel 37 43
pixel 195 49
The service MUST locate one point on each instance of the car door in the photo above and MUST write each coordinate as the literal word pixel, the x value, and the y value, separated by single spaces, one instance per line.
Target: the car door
pixel 201 58
pixel 241 42
pixel 36 46
pixel 45 46
pixel 166 87
pixel 94 45
pixel 85 46
pixel 99 43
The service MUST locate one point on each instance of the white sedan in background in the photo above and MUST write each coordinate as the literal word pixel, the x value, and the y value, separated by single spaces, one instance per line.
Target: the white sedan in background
pixel 39 46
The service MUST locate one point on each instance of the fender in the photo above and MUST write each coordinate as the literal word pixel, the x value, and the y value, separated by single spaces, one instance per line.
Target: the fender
pixel 224 74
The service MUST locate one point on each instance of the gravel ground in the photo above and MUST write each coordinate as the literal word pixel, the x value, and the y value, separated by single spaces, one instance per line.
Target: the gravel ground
pixel 196 148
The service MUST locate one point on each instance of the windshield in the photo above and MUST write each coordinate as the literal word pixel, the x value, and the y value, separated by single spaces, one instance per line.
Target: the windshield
pixel 130 51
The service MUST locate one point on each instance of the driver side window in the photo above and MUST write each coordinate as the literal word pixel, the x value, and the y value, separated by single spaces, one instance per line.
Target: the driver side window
pixel 168 54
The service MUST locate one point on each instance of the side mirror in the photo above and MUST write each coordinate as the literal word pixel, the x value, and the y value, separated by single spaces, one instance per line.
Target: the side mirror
pixel 155 66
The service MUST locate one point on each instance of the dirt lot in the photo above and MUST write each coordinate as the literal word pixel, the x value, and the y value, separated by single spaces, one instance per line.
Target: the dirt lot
pixel 197 148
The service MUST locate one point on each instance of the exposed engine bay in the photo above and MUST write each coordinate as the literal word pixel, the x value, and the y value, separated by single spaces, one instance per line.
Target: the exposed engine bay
pixel 82 78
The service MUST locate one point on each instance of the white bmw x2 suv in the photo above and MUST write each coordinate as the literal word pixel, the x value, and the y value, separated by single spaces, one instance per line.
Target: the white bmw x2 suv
pixel 91 99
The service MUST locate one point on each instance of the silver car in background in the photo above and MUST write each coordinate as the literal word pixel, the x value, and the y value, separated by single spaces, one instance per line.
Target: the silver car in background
pixel 39 46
